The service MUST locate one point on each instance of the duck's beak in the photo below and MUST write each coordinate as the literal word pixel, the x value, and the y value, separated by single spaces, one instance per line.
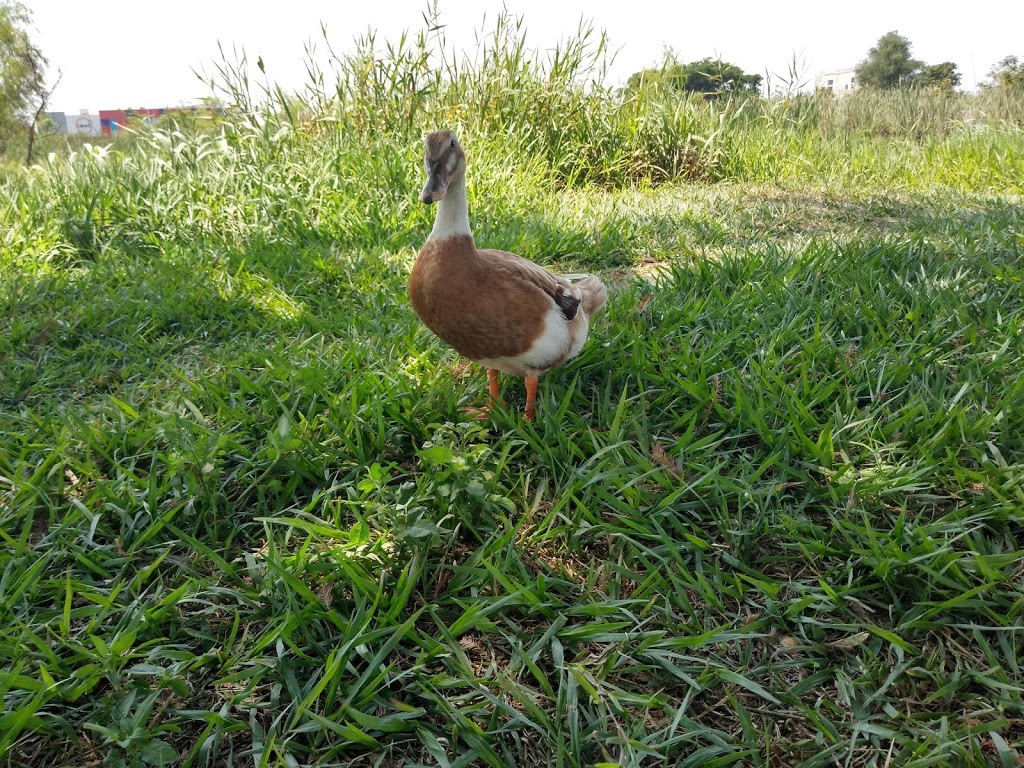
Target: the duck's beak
pixel 436 186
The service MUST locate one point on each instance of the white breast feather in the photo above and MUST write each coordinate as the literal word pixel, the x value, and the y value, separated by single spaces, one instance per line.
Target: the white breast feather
pixel 553 342
pixel 549 348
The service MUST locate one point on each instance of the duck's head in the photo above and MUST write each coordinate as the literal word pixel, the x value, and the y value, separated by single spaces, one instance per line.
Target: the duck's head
pixel 444 160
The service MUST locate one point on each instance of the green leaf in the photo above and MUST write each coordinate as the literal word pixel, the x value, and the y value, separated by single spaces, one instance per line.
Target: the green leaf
pixel 437 454
pixel 158 752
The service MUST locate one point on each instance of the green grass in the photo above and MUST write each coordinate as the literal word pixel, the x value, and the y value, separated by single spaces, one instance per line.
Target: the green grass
pixel 771 516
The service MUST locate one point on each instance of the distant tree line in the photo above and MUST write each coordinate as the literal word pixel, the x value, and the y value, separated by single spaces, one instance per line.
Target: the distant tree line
pixel 889 64
pixel 711 78
pixel 1008 75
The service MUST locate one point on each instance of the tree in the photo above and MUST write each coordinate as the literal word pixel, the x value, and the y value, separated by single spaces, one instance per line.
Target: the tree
pixel 23 89
pixel 888 64
pixel 1007 75
pixel 709 77
pixel 942 77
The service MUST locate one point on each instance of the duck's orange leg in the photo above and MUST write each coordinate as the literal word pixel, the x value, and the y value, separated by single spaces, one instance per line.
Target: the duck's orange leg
pixel 531 398
pixel 492 385
pixel 495 397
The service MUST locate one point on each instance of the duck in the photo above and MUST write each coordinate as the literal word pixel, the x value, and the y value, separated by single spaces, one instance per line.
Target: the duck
pixel 493 307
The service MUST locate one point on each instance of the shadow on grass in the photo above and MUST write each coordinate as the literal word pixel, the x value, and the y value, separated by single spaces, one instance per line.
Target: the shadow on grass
pixel 771 442
pixel 107 320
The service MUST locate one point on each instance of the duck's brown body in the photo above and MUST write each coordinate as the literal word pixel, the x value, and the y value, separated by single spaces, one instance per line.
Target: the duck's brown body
pixel 473 305
pixel 494 307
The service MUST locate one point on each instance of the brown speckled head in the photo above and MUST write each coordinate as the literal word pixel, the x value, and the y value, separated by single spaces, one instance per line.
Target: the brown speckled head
pixel 443 159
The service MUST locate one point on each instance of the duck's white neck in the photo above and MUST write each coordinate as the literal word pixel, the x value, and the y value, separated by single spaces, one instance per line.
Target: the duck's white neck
pixel 452 212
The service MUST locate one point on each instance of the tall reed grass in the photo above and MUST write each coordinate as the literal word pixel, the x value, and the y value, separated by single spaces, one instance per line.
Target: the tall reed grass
pixel 560 108
pixel 339 157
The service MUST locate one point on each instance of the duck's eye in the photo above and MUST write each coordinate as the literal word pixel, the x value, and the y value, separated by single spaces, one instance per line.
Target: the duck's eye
pixel 453 143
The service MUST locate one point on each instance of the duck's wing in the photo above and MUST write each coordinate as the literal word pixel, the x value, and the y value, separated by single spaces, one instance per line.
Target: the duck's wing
pixel 509 266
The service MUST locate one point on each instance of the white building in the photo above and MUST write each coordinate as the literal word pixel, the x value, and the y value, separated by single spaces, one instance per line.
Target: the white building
pixel 838 81
pixel 83 124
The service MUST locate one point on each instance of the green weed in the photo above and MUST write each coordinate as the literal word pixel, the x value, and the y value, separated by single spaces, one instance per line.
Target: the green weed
pixel 770 516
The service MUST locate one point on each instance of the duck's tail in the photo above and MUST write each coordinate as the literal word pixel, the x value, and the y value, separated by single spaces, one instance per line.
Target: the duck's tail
pixel 595 294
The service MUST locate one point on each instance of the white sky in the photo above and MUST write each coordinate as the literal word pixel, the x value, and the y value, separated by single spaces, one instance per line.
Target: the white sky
pixel 139 53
